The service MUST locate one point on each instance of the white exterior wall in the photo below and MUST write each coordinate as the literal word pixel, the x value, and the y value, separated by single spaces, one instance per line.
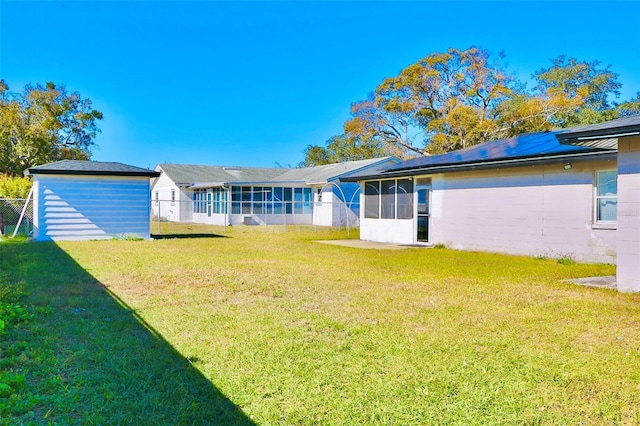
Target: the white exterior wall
pixel 72 207
pixel 535 211
pixel 331 210
pixel 272 219
pixel 628 271
pixel 387 230
pixel 181 210
pixel 214 219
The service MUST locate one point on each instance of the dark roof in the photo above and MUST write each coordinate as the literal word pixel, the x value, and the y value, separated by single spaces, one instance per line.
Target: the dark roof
pixel 79 167
pixel 584 135
pixel 527 149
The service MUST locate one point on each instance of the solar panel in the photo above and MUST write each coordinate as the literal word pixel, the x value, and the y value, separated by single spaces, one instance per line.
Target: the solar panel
pixel 522 146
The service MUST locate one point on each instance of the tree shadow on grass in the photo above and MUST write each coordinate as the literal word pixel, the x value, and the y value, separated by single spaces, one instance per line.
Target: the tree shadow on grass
pixel 87 358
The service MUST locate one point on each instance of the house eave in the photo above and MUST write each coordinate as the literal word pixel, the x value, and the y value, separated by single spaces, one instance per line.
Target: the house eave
pixel 491 164
pixel 32 172
pixel 572 138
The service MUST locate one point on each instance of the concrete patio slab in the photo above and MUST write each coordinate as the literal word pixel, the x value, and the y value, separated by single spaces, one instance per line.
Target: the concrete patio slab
pixel 369 244
pixel 608 281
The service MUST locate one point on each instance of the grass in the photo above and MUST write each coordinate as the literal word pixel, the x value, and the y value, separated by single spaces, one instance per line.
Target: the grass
pixel 269 327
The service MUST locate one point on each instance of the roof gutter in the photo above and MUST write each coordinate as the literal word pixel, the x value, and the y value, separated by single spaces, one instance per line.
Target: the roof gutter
pixel 197 185
pixel 617 132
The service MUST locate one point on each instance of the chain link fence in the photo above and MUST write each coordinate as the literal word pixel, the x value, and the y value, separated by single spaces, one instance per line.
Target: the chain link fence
pixel 15 218
pixel 210 217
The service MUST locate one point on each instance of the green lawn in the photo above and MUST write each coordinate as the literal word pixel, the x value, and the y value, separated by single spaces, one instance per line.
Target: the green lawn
pixel 263 326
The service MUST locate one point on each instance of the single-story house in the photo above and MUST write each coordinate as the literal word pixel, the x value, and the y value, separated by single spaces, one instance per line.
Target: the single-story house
pixel 624 135
pixel 527 195
pixel 231 195
pixel 570 193
pixel 88 200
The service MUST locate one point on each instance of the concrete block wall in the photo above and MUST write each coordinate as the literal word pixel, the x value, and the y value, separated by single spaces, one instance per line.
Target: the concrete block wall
pixel 537 210
pixel 628 271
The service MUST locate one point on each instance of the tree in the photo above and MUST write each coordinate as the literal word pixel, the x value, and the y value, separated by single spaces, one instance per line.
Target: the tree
pixel 443 102
pixel 628 108
pixel 587 84
pixel 315 155
pixel 345 148
pixel 452 100
pixel 44 124
pixel 14 186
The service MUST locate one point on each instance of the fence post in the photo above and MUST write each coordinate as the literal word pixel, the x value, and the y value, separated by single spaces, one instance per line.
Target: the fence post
pixel 24 209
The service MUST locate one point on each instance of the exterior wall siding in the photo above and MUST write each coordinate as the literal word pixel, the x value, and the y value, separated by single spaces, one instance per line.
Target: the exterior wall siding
pixel 90 207
pixel 628 271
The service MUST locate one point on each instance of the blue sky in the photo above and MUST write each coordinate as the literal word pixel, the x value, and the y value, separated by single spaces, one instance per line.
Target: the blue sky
pixel 254 83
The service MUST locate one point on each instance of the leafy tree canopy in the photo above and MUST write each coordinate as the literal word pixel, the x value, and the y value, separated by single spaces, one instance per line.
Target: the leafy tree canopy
pixel 459 98
pixel 42 124
pixel 345 148
pixel 14 186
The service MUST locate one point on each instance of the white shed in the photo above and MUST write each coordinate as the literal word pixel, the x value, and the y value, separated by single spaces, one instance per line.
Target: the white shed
pixel 88 200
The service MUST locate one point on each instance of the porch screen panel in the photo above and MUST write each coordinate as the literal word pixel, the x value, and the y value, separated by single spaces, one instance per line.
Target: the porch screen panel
pixel 277 200
pixel 268 197
pixel 372 200
pixel 388 199
pixel 288 200
pixel 258 196
pixel 236 198
pixel 307 207
pixel 297 200
pixel 246 200
pixel 405 199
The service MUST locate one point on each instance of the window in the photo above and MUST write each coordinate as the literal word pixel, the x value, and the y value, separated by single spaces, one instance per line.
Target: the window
pixel 606 202
pixel 173 197
pixel 388 199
